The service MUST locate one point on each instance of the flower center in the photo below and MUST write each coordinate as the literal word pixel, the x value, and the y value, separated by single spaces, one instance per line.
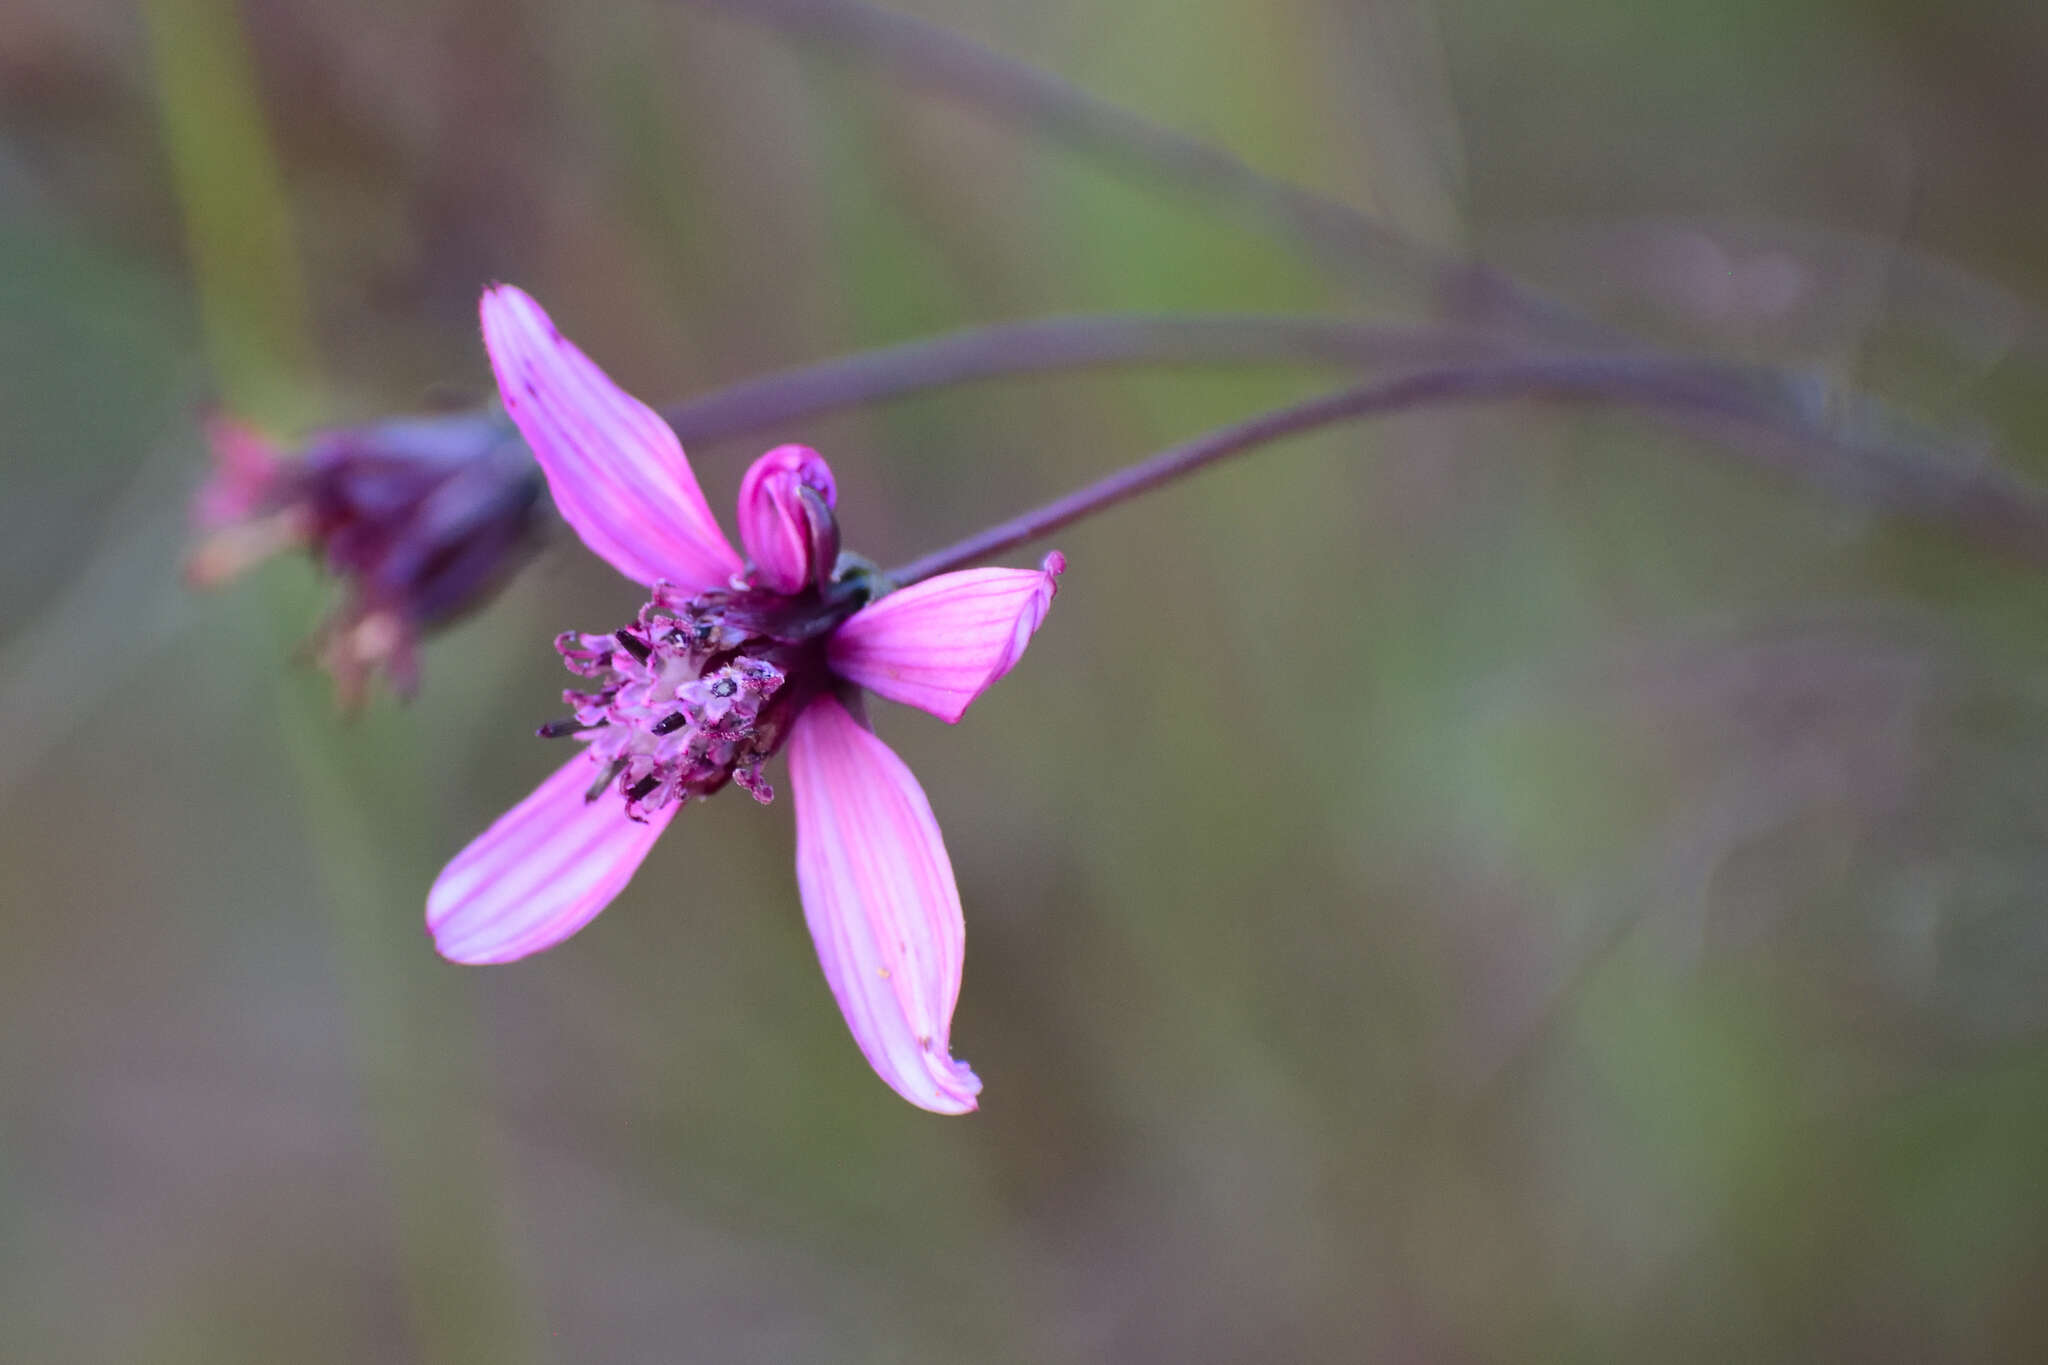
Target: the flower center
pixel 696 692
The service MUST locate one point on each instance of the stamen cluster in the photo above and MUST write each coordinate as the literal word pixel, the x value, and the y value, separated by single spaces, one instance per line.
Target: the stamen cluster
pixel 698 691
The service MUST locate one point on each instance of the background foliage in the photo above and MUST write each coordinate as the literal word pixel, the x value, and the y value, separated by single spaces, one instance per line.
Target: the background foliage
pixel 1486 886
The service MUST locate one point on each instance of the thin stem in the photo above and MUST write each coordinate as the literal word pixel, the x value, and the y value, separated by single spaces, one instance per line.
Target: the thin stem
pixel 1855 450
pixel 1018 94
pixel 1067 343
pixel 1988 506
pixel 1909 477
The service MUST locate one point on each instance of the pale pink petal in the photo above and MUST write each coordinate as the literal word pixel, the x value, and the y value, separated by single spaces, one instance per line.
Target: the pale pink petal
pixel 781 536
pixel 540 873
pixel 617 472
pixel 939 644
pixel 879 897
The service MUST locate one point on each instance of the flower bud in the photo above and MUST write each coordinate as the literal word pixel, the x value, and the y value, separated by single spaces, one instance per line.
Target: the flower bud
pixel 786 520
pixel 422 518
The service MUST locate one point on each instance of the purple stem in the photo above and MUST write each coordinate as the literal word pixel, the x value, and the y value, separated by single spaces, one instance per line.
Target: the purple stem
pixel 1067 343
pixel 1021 95
pixel 1806 437
pixel 1984 504
pixel 1911 477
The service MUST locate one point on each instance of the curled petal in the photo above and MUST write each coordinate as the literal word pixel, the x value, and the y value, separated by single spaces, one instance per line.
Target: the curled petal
pixel 789 536
pixel 540 873
pixel 618 473
pixel 941 643
pixel 879 897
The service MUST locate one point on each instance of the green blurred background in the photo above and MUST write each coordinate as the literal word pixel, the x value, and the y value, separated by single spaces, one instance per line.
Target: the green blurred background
pixel 1490 886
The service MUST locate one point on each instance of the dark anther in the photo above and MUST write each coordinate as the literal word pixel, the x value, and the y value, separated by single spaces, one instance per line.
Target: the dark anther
pixel 671 723
pixel 633 645
pixel 555 729
pixel 642 787
pixel 724 687
pixel 611 770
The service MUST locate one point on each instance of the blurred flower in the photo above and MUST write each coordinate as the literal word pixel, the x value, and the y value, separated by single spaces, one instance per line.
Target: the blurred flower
pixel 727 663
pixel 422 518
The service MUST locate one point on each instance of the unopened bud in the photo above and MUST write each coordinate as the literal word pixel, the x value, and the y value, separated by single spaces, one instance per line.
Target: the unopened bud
pixel 423 519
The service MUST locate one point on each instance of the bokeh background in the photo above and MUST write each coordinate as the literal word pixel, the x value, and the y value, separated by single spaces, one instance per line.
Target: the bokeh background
pixel 1490 886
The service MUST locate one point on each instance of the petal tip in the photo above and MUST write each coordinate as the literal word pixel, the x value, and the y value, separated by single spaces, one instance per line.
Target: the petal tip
pixel 959 1089
pixel 500 294
pixel 498 299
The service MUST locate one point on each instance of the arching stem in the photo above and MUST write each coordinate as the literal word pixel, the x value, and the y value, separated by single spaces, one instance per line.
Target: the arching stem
pixel 1781 435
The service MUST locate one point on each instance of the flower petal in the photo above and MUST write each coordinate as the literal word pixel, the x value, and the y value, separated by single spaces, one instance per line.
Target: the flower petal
pixel 879 897
pixel 618 473
pixel 540 873
pixel 939 644
pixel 784 532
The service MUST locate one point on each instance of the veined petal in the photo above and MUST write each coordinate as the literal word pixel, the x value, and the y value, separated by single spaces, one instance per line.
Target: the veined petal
pixel 540 873
pixel 939 644
pixel 618 473
pixel 785 533
pixel 879 897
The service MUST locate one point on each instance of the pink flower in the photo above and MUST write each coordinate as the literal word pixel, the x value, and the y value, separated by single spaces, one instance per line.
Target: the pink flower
pixel 728 663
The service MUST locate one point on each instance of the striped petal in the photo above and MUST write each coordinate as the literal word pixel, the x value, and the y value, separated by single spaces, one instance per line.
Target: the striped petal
pixel 617 472
pixel 879 897
pixel 540 873
pixel 941 643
